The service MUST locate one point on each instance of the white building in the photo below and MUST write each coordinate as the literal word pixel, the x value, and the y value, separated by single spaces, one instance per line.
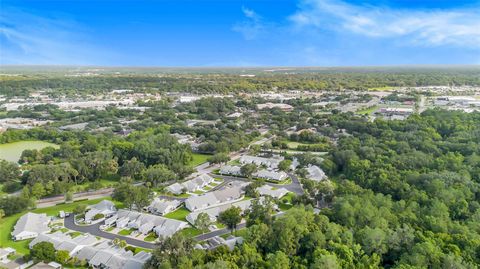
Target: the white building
pixel 230 170
pixel 271 175
pixel 315 173
pixel 61 241
pixel 191 185
pixel 162 206
pixel 145 223
pixel 104 207
pixel 213 212
pixel 261 161
pixel 267 190
pixel 215 198
pixel 30 225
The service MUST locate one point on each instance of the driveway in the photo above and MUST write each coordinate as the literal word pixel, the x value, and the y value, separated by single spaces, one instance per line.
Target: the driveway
pixel 95 230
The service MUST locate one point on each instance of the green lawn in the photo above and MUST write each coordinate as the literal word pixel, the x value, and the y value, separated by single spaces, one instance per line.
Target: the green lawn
pixel 286 202
pixel 190 232
pixel 384 88
pixel 199 158
pixel 75 234
pixel 125 232
pixel 151 237
pixel 198 192
pixel 109 229
pixel 368 110
pixel 179 214
pixel 7 223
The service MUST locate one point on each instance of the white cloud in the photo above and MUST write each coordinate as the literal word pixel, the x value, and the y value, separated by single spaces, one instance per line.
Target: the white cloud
pixel 252 26
pixel 459 27
pixel 30 39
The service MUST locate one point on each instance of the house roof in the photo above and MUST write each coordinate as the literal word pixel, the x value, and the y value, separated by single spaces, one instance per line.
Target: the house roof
pixel 315 173
pixel 269 190
pixel 271 174
pixel 32 222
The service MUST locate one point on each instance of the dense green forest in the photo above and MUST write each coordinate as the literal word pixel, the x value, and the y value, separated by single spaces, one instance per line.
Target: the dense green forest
pixel 404 194
pixel 230 81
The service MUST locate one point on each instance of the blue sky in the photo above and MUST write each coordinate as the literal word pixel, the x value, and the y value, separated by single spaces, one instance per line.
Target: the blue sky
pixel 239 33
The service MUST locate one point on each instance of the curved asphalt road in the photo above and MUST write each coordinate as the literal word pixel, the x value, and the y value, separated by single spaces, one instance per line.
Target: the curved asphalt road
pixel 95 230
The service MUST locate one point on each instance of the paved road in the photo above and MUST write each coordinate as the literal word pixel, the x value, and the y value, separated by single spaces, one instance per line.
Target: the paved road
pixel 95 230
pixel 294 187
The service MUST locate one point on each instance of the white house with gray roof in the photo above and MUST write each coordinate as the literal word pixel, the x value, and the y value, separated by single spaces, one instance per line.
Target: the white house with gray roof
pixel 231 170
pixel 267 190
pixel 315 173
pixel 145 223
pixel 213 212
pixel 214 198
pixel 30 225
pixel 261 161
pixel 271 175
pixel 191 185
pixel 163 206
pixel 104 207
pixel 61 241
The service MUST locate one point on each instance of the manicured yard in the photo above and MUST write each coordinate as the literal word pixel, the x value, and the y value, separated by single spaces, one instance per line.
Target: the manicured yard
pixel 198 192
pixel 125 232
pixel 109 229
pixel 151 237
pixel 199 159
pixel 190 232
pixel 179 214
pixel 75 234
pixel 286 202
pixel 7 223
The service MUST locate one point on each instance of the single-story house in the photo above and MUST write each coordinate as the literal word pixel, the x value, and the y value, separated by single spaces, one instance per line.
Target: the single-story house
pixel 19 263
pixel 175 188
pixel 30 225
pixel 61 241
pixel 271 175
pixel 104 207
pixel 218 241
pixel 198 183
pixel 261 161
pixel 162 206
pixel 213 212
pixel 315 173
pixel 271 191
pixel 145 223
pixel 215 198
pixel 5 252
pixel 230 170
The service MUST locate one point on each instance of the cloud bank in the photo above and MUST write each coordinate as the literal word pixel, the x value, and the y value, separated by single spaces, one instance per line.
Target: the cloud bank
pixel 453 27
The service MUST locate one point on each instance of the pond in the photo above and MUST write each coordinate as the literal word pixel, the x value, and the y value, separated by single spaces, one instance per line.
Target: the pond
pixel 12 151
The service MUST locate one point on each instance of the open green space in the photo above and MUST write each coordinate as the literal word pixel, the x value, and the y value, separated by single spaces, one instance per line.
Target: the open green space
pixel 179 214
pixel 199 158
pixel 151 237
pixel 384 88
pixel 190 232
pixel 7 223
pixel 125 232
pixel 368 110
pixel 12 151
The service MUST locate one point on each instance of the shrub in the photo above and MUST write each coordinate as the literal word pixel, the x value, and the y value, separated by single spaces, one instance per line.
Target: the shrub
pixel 98 216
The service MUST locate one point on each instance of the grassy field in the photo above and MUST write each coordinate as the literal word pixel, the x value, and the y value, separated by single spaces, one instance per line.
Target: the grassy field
pixel 368 110
pixel 190 232
pixel 199 159
pixel 151 237
pixel 179 214
pixel 7 223
pixel 384 88
pixel 286 202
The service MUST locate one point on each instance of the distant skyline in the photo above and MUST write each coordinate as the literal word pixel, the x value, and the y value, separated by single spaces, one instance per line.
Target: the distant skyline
pixel 239 33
